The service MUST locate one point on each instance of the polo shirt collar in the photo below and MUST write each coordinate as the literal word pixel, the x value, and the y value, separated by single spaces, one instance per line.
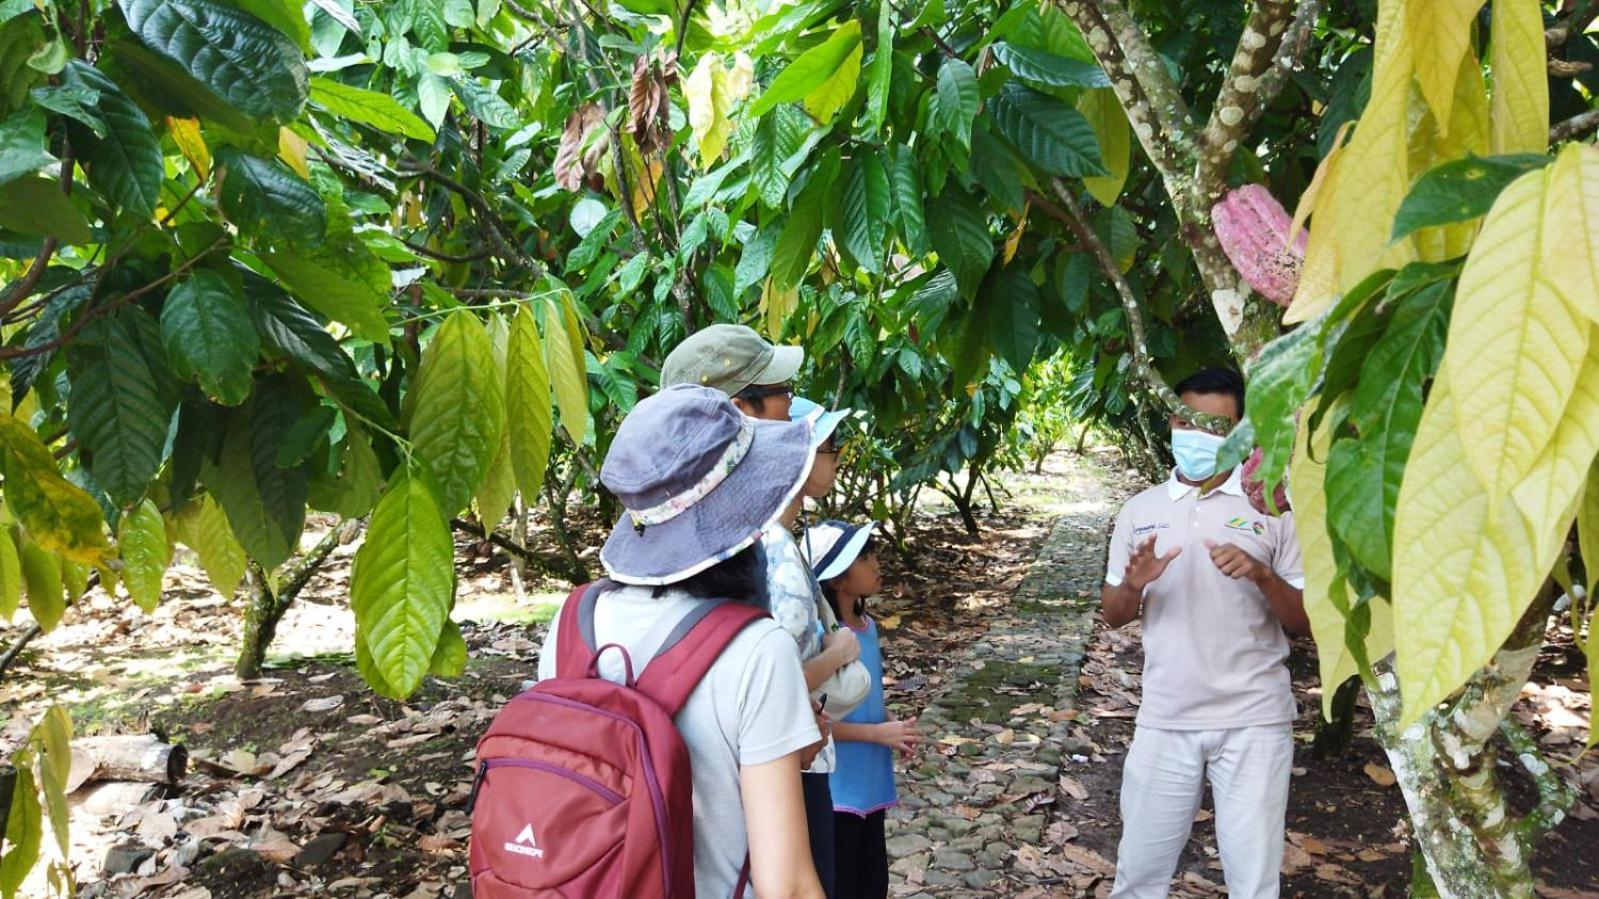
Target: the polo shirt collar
pixel 1234 485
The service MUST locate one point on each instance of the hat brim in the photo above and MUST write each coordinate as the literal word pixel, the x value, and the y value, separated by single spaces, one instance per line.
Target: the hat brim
pixel 726 521
pixel 825 424
pixel 853 542
pixel 785 364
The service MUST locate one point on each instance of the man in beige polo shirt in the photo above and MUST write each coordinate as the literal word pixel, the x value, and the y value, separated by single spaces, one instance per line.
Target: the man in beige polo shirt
pixel 1216 584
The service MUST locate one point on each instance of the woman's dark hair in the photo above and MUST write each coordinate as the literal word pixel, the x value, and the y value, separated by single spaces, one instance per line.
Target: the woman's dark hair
pixel 1222 381
pixel 741 578
pixel 830 591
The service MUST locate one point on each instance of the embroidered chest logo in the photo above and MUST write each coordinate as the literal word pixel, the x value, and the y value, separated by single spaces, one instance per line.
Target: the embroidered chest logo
pixel 525 844
pixel 1258 528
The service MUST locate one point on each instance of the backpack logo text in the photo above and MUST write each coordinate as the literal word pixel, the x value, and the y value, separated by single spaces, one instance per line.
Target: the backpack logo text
pixel 525 844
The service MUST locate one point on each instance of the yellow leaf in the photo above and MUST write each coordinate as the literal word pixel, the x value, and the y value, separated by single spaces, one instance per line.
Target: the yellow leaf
pixel 888 622
pixel 829 97
pixel 1318 278
pixel 1469 133
pixel 1440 35
pixel 1015 238
pixel 186 134
pixel 142 544
pixel 1465 566
pixel 1573 226
pixel 776 306
pixel 1515 344
pixel 1587 530
pixel 292 149
pixel 1104 112
pixel 495 494
pixel 1518 58
pixel 1364 206
pixel 567 366
pixel 710 93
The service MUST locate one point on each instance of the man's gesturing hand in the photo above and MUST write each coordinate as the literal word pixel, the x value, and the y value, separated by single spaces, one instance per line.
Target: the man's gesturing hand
pixel 1234 562
pixel 1144 568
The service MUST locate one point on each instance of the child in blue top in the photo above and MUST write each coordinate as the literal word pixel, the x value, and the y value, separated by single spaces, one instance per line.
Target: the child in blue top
pixel 844 560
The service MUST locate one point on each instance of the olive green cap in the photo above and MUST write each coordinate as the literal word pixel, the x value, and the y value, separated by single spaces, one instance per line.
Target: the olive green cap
pixel 730 358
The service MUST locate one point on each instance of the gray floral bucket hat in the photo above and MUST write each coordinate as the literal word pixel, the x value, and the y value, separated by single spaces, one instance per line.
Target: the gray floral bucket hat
pixel 700 481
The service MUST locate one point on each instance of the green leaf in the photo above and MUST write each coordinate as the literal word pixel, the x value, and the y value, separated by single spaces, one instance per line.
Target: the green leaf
pixel 125 165
pixel 1460 190
pixel 1013 318
pixel 957 99
pixel 122 404
pixel 267 201
pixel 10 575
pixel 783 141
pixel 879 71
pixel 76 103
pixel 244 61
pixel 485 104
pixel 369 108
pixel 1048 69
pixel 810 69
pixel 1364 474
pixel 1052 135
pixel 908 193
pixel 867 207
pixel 24 828
pixel 343 281
pixel 19 39
pixel 142 541
pixel 356 487
pixel 449 657
pixel 57 514
pixel 958 228
pixel 22 147
pixel 41 572
pixel 791 257
pixel 529 417
pixel 265 504
pixel 498 489
pixel 402 584
pixel 1280 379
pixel 53 738
pixel 203 527
pixel 37 206
pixel 286 329
pixel 309 430
pixel 286 16
pixel 457 409
pixel 208 335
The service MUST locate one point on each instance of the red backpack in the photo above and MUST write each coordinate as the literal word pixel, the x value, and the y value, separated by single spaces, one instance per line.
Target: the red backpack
pixel 583 788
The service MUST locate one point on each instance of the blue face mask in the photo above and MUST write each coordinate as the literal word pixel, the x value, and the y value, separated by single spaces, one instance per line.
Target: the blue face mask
pixel 1195 452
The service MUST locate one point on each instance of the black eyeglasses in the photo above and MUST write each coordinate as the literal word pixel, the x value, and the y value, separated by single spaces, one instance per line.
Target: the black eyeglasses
pixel 829 447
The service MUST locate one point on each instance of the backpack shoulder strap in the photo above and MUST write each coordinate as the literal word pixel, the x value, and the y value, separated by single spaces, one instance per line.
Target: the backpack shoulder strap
pixel 575 647
pixel 692 648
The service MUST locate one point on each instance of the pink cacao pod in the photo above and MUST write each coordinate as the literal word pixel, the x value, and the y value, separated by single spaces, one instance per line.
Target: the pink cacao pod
pixel 1255 489
pixel 1253 229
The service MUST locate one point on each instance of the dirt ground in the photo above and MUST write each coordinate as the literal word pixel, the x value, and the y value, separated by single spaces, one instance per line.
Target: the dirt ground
pixel 305 783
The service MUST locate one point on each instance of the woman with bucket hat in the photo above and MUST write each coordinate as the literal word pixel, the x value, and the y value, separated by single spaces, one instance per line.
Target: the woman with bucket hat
pixel 700 482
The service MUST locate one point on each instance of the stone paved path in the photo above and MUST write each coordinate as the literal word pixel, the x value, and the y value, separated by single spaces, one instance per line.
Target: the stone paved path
pixel 988 790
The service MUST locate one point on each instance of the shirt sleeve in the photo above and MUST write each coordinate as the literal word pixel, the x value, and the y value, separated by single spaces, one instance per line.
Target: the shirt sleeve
pixel 1285 560
pixel 547 654
pixel 774 710
pixel 1121 550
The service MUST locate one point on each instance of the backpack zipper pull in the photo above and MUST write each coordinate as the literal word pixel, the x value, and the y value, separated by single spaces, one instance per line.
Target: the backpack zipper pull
pixel 477 784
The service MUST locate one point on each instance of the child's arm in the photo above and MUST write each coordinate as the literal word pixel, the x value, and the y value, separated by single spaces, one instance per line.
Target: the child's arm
pixel 901 736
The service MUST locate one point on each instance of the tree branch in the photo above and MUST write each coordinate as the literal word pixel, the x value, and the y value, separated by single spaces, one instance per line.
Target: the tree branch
pixel 1072 217
pixel 491 227
pixel 1243 95
pixel 431 253
pixel 1579 125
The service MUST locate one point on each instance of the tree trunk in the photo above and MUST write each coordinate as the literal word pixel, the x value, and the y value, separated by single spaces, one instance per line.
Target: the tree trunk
pixel 264 610
pixel 1447 767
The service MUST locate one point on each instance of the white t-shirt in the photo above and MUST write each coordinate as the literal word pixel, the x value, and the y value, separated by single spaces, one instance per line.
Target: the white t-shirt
pixel 1214 652
pixel 751 708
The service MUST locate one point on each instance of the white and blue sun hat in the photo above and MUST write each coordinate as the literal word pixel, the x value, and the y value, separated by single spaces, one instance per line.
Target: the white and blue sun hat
pixel 823 421
pixel 832 546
